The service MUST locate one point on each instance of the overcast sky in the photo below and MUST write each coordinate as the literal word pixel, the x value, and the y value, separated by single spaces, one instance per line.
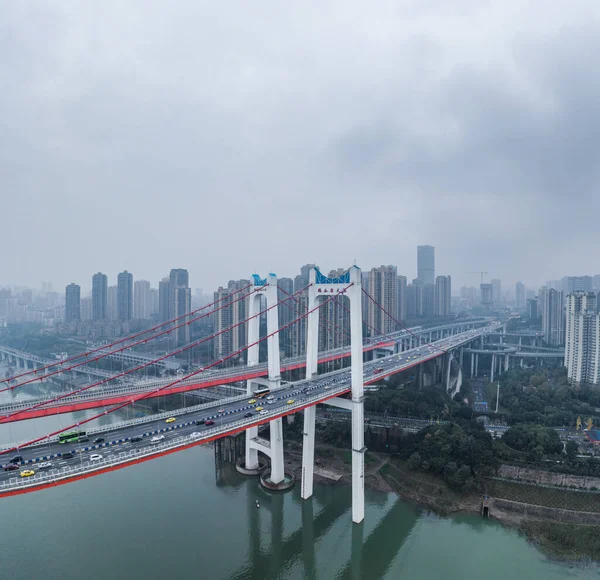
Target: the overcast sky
pixel 238 137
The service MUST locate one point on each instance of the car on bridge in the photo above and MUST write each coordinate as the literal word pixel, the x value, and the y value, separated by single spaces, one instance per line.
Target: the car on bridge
pixel 11 467
pixel 221 410
pixel 171 420
pixel 27 473
pixel 259 409
pixel 247 415
pixel 157 439
pixel 95 457
pixel 291 402
pixel 44 465
pixel 209 422
pixel 98 440
pixel 264 412
pixel 251 401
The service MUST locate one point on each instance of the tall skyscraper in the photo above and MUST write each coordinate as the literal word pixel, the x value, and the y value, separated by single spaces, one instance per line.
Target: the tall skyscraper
pixel 232 312
pixel 112 303
pixel 142 307
pixel 401 298
pixel 532 309
pixel 5 295
pixel 497 292
pixel 552 316
pixel 443 295
pixel 180 301
pixel 582 344
pixel 99 296
pixel 413 300
pixel 298 330
pixel 576 284
pixel 382 288
pixel 125 297
pixel 428 300
pixel 426 264
pixel 520 295
pixel 287 311
pixel 154 302
pixel 86 309
pixel 487 294
pixel 334 320
pixel 163 300
pixel 72 303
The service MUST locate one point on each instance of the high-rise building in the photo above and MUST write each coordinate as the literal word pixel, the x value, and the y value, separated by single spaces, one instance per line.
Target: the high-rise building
pixel 497 291
pixel 5 295
pixel 287 311
pixel 487 294
pixel 231 313
pixel 86 309
pixel 72 303
pixel 443 295
pixel 596 283
pixel 582 344
pixel 428 300
pixel 180 302
pixel 520 295
pixel 576 284
pixel 532 309
pixel 125 297
pixel 552 316
pixel 382 289
pixel 426 265
pixel 154 301
pixel 99 296
pixel 142 307
pixel 401 298
pixel 334 319
pixel 112 303
pixel 412 301
pixel 163 300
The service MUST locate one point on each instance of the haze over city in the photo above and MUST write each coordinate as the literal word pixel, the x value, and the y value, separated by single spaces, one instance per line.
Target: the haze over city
pixel 299 290
pixel 133 139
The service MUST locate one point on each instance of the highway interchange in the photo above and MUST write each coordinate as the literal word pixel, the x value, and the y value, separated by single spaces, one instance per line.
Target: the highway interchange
pixel 302 393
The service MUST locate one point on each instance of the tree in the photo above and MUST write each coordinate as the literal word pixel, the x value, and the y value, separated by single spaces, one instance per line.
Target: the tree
pixel 571 449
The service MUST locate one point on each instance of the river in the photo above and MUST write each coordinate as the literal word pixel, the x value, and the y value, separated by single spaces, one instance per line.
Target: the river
pixel 181 516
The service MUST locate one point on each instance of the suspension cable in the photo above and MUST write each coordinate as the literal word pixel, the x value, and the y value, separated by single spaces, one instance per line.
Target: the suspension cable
pixel 177 381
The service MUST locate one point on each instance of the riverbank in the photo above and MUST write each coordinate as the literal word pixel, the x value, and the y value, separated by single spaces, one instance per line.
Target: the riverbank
pixel 568 535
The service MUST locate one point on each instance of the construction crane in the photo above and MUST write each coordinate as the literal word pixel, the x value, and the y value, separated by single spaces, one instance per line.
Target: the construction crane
pixel 479 272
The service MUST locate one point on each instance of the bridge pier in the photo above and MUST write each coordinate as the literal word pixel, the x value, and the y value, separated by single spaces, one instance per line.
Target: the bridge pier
pixel 506 363
pixel 492 369
pixel 472 364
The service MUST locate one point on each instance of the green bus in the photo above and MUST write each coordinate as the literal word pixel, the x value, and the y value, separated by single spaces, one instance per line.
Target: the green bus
pixel 73 437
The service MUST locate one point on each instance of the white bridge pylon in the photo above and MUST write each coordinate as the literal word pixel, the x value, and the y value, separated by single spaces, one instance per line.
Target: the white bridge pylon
pixel 266 287
pixel 322 288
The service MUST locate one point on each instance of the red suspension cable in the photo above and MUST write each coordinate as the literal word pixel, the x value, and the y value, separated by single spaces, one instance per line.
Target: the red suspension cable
pixel 146 395
pixel 400 324
pixel 6 418
pixel 142 341
pixel 120 341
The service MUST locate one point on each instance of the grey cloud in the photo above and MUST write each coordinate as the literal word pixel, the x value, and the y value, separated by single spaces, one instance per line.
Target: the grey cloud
pixel 146 137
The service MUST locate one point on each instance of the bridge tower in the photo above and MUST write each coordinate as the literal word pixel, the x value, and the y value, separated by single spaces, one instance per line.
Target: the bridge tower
pixel 321 288
pixel 266 287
